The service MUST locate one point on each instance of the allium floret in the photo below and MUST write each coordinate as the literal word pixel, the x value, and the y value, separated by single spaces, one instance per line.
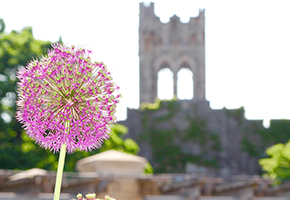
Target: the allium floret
pixel 65 98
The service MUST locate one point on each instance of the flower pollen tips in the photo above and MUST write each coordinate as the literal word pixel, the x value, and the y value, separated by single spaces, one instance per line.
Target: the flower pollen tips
pixel 67 85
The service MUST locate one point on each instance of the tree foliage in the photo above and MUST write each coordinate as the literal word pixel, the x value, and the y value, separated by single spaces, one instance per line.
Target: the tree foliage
pixel 16 49
pixel 2 25
pixel 277 165
pixel 118 143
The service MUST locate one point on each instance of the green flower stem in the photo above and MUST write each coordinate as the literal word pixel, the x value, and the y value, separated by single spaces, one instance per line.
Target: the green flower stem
pixel 60 167
pixel 59 172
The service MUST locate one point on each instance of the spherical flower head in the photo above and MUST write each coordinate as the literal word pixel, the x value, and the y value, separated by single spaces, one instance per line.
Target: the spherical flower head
pixel 65 98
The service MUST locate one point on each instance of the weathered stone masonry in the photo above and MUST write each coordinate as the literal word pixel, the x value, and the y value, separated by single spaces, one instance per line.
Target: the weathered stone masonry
pixel 173 133
pixel 173 45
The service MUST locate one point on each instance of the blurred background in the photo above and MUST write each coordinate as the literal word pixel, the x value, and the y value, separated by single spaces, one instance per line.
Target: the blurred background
pixel 247 48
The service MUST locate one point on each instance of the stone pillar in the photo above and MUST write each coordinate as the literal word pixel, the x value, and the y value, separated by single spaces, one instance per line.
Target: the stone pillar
pixel 174 84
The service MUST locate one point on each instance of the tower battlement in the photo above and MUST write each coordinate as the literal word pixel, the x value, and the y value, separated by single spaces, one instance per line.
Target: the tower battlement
pixel 149 12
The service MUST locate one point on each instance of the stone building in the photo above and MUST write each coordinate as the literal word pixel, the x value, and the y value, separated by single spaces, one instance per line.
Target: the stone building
pixel 217 141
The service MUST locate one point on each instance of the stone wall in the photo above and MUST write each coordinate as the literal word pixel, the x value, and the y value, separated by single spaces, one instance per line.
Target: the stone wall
pixel 138 186
pixel 189 131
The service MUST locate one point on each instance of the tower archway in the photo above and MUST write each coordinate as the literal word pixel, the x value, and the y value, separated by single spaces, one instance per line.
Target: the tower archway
pixel 165 82
pixel 185 82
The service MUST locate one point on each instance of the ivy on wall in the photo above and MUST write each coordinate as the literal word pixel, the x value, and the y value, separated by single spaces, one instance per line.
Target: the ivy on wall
pixel 238 114
pixel 169 156
pixel 278 132
pixel 249 147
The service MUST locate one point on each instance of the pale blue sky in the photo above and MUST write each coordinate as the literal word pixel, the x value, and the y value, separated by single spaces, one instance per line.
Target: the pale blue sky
pixel 247 44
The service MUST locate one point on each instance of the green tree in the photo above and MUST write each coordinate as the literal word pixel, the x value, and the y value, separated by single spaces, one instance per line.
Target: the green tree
pixel 277 165
pixel 16 49
pixel 118 143
pixel 2 25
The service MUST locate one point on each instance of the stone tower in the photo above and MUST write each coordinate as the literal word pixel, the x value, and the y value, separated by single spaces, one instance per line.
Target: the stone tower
pixel 220 141
pixel 174 45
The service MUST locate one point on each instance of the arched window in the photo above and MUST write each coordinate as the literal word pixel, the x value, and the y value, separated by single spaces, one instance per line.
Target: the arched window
pixel 185 82
pixel 165 82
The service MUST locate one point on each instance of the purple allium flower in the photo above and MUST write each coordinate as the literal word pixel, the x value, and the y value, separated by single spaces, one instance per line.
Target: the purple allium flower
pixel 64 98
